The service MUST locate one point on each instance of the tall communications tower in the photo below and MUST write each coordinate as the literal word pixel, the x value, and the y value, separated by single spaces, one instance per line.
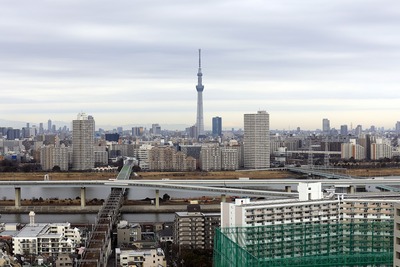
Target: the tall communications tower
pixel 199 88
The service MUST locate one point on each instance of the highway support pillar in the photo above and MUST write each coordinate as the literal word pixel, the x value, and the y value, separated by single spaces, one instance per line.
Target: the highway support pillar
pixel 157 198
pixel 288 189
pixel 18 197
pixel 351 189
pixel 83 197
pixel 223 198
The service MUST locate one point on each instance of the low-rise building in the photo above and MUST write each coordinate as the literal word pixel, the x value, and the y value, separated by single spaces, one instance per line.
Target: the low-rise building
pixel 142 258
pixel 46 238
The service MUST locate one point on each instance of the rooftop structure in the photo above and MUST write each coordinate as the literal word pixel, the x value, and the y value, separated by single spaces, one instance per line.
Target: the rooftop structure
pixel 144 258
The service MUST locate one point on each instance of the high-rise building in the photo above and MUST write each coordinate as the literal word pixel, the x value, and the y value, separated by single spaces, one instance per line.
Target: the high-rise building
pixel 343 130
pixel 156 129
pixel 137 131
pixel 358 130
pixel 82 142
pixel 41 129
pixel 256 140
pixel 397 127
pixel 199 88
pixel 326 126
pixel 49 126
pixel 217 126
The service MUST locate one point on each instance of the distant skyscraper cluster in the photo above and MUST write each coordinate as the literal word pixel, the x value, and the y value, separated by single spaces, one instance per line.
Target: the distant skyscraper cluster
pixel 254 147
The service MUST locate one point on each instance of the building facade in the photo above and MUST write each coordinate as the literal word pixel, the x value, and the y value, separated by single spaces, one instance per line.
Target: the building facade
pixel 352 150
pixel 142 258
pixel 326 126
pixel 256 140
pixel 217 126
pixel 50 239
pixel 82 142
pixel 194 229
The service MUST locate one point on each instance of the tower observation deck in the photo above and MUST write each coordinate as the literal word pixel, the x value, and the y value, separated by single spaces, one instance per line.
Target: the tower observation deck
pixel 199 88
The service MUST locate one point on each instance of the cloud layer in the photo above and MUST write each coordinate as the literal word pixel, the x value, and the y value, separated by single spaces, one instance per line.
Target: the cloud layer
pixel 130 62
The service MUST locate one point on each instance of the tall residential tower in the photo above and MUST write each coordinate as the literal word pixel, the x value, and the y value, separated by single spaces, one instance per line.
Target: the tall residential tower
pixel 83 142
pixel 256 141
pixel 199 88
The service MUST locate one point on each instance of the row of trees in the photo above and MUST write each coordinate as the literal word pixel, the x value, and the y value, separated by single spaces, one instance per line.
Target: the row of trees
pixel 7 165
pixel 13 166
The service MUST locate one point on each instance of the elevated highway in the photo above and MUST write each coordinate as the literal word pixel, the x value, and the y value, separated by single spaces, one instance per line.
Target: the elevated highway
pixel 325 173
pixel 195 183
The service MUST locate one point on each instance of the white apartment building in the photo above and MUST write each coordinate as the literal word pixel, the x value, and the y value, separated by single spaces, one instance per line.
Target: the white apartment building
pixel 352 150
pixel 381 149
pixel 311 207
pixel 44 238
pixel 256 140
pixel 143 154
pixel 82 142
pixel 143 258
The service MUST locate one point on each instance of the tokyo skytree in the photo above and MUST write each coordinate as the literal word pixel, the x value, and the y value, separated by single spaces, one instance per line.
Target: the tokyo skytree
pixel 199 88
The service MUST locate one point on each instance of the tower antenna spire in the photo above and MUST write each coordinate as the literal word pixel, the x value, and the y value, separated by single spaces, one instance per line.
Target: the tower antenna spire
pixel 199 58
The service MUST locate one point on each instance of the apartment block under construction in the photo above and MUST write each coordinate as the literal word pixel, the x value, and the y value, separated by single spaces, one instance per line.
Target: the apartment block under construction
pixel 318 229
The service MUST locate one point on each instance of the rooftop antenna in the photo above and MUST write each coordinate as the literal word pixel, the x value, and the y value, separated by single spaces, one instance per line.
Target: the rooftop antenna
pixel 199 58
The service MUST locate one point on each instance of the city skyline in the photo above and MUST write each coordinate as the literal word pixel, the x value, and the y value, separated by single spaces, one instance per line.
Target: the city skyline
pixel 135 62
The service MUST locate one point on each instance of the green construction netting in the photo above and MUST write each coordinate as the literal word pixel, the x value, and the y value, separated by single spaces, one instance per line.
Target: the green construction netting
pixel 305 245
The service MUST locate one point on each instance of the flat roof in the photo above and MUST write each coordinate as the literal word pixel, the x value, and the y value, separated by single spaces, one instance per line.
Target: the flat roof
pixel 30 231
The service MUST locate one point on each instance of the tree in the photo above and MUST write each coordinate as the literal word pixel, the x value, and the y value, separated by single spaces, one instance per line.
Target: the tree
pixel 166 197
pixel 136 168
pixel 56 168
pixel 26 168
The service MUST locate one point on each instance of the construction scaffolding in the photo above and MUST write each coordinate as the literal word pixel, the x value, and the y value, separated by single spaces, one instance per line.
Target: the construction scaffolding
pixel 305 245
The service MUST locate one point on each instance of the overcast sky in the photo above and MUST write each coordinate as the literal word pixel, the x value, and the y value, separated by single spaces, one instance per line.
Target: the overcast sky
pixel 135 62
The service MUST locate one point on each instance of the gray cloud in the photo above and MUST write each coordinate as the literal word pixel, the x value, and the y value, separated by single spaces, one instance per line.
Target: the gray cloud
pixel 138 56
